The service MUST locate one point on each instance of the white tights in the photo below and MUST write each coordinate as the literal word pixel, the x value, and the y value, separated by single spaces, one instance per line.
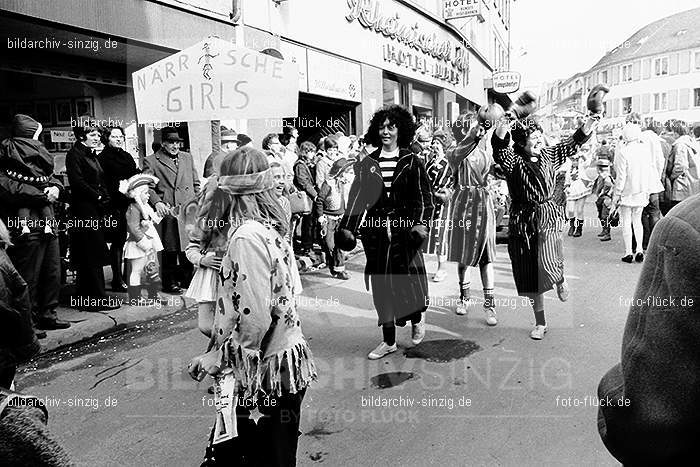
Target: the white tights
pixel 631 218
pixel 136 265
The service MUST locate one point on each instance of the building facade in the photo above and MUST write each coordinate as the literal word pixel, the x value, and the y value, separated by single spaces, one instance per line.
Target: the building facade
pixel 74 57
pixel 656 73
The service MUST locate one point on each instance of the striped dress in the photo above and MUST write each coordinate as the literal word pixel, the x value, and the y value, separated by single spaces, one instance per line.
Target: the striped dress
pixel 439 174
pixel 472 233
pixel 536 220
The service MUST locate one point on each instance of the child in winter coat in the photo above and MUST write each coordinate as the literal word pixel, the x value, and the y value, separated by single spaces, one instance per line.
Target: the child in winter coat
pixel 603 189
pixel 142 241
pixel 330 207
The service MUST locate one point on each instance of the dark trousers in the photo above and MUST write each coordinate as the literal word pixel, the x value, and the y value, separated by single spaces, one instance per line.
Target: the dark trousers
pixel 272 442
pixel 37 260
pixel 118 238
pixel 7 375
pixel 175 269
pixel 307 232
pixel 651 214
pixel 603 211
pixel 89 252
pixel 335 258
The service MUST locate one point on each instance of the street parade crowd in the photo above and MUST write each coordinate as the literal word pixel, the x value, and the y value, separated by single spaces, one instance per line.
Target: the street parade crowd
pixel 264 211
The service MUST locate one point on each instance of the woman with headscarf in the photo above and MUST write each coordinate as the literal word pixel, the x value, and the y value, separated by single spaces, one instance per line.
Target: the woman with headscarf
pixel 260 353
pixel 392 191
pixel 536 220
pixel 472 234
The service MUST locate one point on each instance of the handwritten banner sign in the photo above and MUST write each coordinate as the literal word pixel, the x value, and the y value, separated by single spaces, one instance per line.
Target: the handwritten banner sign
pixel 216 80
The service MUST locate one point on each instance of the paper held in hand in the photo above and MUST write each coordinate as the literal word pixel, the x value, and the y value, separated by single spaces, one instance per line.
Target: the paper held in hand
pixel 225 398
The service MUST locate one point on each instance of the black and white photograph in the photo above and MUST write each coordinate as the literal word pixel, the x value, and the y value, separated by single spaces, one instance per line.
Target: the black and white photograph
pixel 284 233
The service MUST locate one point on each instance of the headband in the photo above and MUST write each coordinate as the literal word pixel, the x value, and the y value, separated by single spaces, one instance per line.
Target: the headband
pixel 246 184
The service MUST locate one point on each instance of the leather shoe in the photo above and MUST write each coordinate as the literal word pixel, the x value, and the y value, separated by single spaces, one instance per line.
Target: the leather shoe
pixel 172 289
pixel 119 287
pixel 52 324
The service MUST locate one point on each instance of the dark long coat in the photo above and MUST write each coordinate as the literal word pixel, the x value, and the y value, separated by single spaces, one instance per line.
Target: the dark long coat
pixel 395 265
pixel 177 185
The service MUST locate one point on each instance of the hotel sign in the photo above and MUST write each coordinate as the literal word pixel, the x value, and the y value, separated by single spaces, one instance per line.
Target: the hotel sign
pixel 454 9
pixel 506 82
pixel 411 47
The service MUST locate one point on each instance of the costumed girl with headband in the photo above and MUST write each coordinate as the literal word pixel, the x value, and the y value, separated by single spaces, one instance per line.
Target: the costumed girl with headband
pixel 536 220
pixel 261 361
pixel 142 241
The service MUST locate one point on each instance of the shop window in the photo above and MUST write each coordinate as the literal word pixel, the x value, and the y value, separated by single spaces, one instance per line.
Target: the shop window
pixel 661 66
pixel 392 92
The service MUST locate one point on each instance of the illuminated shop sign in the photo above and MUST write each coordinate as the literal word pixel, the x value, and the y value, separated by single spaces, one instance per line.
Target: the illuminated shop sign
pixel 417 50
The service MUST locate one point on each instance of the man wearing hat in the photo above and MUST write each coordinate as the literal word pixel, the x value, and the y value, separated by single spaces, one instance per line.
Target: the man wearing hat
pixel 177 184
pixel 229 142
pixel 603 189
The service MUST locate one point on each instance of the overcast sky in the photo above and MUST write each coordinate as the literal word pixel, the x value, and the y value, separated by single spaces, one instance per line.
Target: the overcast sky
pixel 564 37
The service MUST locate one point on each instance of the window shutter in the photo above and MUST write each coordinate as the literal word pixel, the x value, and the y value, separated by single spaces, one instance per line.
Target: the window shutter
pixel 636 69
pixel 673 99
pixel 646 103
pixel 673 64
pixel 636 104
pixel 646 68
pixel 684 99
pixel 684 66
pixel 616 74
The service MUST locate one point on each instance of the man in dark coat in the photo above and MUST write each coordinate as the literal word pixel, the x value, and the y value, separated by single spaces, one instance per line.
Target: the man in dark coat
pixel 178 184
pixel 652 398
pixel 229 142
pixel 89 205
pixel 35 255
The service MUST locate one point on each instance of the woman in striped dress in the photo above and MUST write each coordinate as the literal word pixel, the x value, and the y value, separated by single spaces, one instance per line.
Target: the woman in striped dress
pixel 439 174
pixel 472 233
pixel 536 220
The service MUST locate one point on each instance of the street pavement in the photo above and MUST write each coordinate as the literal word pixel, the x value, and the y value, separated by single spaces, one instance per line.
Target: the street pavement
pixel 468 395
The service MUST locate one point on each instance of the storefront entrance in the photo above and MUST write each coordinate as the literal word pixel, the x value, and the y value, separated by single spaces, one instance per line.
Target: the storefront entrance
pixel 322 116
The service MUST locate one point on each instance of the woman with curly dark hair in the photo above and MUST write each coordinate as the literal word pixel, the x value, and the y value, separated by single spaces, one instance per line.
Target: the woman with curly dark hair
pixel 392 190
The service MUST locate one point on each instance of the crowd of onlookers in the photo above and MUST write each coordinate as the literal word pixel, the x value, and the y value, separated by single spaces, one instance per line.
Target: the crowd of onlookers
pixel 635 177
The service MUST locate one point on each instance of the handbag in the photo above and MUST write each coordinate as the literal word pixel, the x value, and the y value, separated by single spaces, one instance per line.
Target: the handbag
pixel 300 202
pixel 614 218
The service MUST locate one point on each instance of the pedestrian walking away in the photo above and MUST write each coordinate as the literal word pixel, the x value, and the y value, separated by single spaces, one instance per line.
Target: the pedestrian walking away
pixel 260 356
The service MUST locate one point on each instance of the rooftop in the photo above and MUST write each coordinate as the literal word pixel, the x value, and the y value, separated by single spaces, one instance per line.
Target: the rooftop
pixel 675 32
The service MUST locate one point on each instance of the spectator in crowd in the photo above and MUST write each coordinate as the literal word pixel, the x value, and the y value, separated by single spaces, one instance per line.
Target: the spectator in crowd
pixel 273 148
pixel 289 138
pixel 651 212
pixel 330 154
pixel 603 191
pixel 281 191
pixel 344 146
pixel 229 142
pixel 117 165
pixel 633 185
pixel 36 256
pixel 90 202
pixel 683 168
pixel 604 151
pixel 304 177
pixel 244 140
pixel 177 185
pixel 257 298
pixel 329 209
pixel 439 174
pixel 656 383
pixel 18 343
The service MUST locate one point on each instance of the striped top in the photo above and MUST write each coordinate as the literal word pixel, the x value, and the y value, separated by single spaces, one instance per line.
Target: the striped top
pixel 387 164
